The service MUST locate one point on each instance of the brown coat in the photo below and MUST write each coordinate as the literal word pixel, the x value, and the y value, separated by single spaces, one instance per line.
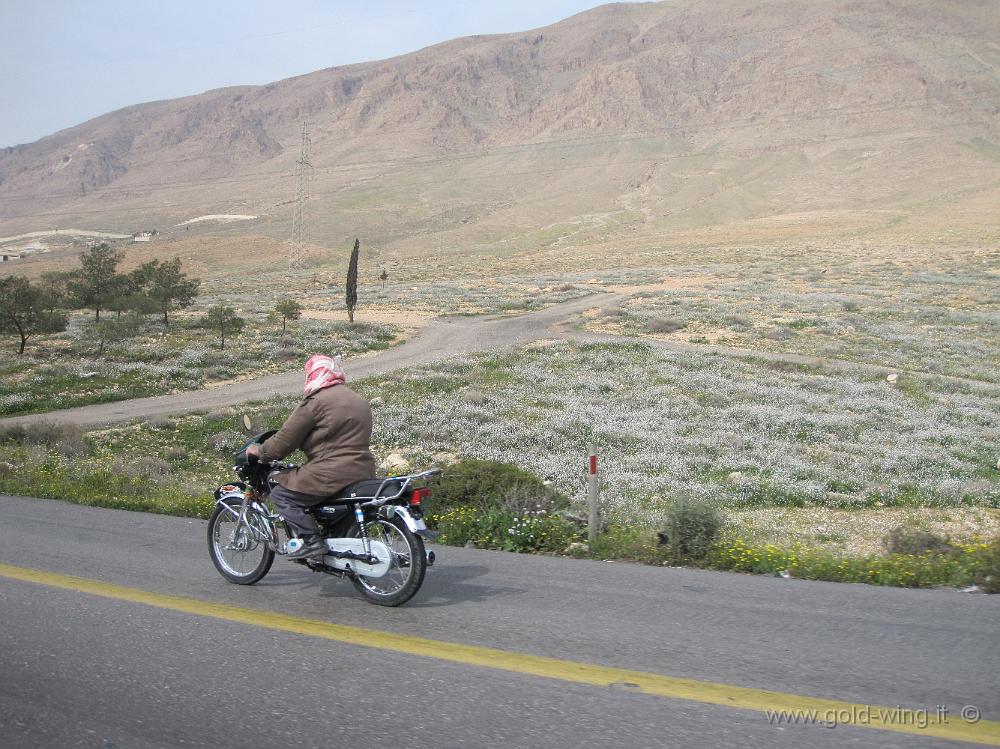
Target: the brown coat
pixel 333 427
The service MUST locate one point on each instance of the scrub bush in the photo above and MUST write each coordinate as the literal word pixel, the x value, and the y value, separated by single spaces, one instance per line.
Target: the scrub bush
pixel 692 527
pixel 486 484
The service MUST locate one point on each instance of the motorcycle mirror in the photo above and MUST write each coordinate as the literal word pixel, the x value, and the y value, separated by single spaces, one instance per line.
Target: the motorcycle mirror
pixel 247 424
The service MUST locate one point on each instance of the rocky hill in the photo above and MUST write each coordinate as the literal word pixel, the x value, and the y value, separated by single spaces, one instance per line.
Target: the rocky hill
pixel 638 120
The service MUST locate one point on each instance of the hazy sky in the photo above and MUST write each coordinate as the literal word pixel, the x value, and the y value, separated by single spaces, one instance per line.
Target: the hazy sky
pixel 63 62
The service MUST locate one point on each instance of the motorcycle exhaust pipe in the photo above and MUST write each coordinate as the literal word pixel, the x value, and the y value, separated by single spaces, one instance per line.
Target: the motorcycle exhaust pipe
pixel 430 558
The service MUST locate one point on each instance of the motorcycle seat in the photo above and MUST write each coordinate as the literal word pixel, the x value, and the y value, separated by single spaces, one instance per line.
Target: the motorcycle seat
pixel 367 489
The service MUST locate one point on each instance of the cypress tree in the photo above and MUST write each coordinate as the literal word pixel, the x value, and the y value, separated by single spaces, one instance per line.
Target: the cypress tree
pixel 352 281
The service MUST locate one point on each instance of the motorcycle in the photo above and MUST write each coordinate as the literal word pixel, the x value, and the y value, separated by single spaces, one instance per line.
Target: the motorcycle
pixel 372 531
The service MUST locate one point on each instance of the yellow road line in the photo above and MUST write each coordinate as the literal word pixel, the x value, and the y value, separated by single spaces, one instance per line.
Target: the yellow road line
pixel 952 727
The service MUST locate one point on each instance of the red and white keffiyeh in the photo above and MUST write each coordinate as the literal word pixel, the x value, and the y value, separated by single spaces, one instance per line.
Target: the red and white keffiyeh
pixel 322 372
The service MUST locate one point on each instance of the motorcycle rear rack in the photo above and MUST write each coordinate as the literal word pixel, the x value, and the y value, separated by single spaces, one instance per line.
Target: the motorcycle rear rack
pixel 377 500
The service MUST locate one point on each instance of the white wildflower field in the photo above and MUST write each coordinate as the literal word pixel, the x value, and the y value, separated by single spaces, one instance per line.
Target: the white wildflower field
pixel 741 433
pixel 943 320
pixel 829 453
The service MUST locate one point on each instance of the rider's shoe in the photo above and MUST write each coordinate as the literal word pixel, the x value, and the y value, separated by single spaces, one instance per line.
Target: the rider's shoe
pixel 312 546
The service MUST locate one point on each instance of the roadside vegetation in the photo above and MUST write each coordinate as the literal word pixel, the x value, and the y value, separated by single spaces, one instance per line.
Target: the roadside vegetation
pixel 706 460
pixel 805 470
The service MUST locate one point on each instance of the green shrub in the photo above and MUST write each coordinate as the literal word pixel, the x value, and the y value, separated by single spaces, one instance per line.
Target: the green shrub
pixel 495 505
pixel 458 526
pixel 488 484
pixel 692 527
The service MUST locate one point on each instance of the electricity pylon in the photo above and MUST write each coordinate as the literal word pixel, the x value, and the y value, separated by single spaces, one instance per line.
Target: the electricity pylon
pixel 301 196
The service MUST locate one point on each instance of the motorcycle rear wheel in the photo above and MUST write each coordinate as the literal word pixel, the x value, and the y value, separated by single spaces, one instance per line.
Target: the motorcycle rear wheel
pixel 238 557
pixel 406 568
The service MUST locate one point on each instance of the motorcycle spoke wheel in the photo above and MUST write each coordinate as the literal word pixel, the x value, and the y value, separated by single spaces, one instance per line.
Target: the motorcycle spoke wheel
pixel 406 567
pixel 236 553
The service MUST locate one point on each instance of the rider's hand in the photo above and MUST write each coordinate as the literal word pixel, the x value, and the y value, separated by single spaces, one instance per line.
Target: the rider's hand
pixel 254 451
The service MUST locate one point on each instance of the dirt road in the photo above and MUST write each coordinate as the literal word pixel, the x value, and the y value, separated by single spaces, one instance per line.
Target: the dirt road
pixel 440 339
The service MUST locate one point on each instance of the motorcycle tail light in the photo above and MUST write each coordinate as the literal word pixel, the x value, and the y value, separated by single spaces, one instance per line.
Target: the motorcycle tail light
pixel 419 495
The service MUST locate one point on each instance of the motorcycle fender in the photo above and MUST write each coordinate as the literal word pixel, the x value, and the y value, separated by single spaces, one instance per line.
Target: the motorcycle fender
pixel 379 550
pixel 417 525
pixel 230 490
pixel 229 493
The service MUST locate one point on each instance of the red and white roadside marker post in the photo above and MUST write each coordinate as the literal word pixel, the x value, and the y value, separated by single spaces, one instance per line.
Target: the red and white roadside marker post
pixel 593 499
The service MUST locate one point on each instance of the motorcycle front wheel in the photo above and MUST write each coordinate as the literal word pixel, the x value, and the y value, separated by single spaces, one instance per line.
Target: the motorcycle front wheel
pixel 407 566
pixel 236 554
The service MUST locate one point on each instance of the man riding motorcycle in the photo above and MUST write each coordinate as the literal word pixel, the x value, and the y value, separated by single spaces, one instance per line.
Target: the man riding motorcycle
pixel 333 427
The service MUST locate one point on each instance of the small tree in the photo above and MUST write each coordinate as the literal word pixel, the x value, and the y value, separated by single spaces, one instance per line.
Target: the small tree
pixel 384 276
pixel 54 286
pixel 225 320
pixel 169 287
pixel 24 310
pixel 352 281
pixel 113 330
pixel 128 293
pixel 287 309
pixel 94 285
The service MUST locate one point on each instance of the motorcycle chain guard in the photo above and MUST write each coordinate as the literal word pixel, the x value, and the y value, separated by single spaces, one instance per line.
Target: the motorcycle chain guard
pixel 355 545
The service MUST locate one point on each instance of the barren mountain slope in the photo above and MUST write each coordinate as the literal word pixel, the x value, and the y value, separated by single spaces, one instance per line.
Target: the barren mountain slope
pixel 630 122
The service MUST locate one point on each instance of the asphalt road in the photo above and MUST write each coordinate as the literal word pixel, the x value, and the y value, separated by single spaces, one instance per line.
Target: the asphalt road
pixel 83 670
